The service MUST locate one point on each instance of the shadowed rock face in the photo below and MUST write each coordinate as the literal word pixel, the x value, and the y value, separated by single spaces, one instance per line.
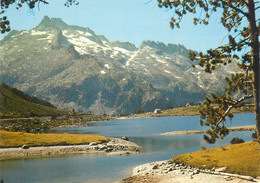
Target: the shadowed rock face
pixel 72 67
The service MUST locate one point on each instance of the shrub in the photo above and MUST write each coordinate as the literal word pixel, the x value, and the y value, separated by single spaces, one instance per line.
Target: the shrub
pixel 203 148
pixel 236 140
pixel 254 136
pixel 139 111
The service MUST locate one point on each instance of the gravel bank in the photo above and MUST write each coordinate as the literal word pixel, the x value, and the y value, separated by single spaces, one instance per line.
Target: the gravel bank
pixel 190 132
pixel 168 172
pixel 115 146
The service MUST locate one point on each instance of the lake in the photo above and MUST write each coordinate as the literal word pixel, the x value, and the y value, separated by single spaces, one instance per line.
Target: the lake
pixel 101 168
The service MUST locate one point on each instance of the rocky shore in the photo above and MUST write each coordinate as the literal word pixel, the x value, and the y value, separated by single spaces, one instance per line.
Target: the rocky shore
pixel 190 132
pixel 169 172
pixel 115 146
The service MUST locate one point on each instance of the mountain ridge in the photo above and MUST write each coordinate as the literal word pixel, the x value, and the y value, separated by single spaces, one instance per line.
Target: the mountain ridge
pixel 72 67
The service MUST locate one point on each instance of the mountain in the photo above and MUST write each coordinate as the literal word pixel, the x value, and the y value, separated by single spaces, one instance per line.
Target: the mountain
pixel 72 67
pixel 14 102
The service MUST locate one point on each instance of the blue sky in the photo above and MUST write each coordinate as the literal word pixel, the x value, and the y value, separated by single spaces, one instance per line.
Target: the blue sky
pixel 124 20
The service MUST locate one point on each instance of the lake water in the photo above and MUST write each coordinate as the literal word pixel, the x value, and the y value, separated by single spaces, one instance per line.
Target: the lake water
pixel 101 168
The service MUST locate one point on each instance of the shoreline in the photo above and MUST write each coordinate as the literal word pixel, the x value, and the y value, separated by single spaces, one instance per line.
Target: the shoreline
pixel 114 147
pixel 167 172
pixel 192 132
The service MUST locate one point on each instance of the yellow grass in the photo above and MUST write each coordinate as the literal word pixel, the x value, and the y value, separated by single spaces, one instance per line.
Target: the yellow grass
pixel 17 139
pixel 243 159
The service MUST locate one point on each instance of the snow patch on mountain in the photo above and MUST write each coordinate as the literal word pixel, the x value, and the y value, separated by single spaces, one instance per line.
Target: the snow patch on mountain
pixel 36 33
pixel 122 50
pixel 84 33
pixel 107 66
pixel 131 59
pixel 167 71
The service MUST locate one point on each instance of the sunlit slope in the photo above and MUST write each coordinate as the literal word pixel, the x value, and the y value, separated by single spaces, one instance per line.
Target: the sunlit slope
pixel 18 139
pixel 243 159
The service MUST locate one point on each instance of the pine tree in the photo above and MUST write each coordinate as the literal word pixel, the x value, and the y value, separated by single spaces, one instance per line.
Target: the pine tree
pixel 239 19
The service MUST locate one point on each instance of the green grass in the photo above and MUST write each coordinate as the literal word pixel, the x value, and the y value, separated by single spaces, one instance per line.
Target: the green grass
pixel 14 103
pixel 18 139
pixel 243 159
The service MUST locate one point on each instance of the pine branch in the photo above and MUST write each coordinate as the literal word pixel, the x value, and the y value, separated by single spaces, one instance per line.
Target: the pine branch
pixel 43 1
pixel 238 10
pixel 233 105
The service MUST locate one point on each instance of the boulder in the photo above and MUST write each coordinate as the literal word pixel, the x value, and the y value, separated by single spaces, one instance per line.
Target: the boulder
pixel 93 144
pixel 109 149
pixel 102 147
pixel 125 138
pixel 25 146
pixel 155 166
pixel 222 169
pixel 157 111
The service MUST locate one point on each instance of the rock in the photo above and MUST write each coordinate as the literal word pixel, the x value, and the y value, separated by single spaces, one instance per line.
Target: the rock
pixel 125 138
pixel 95 148
pixel 170 169
pixel 222 169
pixel 189 104
pixel 109 149
pixel 25 146
pixel 229 178
pixel 157 111
pixel 102 147
pixel 93 144
pixel 120 153
pixel 155 167
pixel 195 172
pixel 169 162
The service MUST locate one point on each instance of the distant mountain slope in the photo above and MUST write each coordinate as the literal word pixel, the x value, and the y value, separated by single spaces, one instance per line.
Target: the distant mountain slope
pixel 72 67
pixel 14 102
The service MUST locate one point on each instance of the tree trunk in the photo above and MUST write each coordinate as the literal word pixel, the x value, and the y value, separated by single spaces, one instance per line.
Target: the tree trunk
pixel 255 61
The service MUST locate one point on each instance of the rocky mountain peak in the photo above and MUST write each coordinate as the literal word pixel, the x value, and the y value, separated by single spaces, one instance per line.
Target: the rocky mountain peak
pixel 57 23
pixel 126 45
pixel 47 24
pixel 72 67
pixel 163 48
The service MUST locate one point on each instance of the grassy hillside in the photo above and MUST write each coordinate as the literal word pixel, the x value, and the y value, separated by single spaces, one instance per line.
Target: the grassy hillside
pixel 241 159
pixel 14 103
pixel 17 139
